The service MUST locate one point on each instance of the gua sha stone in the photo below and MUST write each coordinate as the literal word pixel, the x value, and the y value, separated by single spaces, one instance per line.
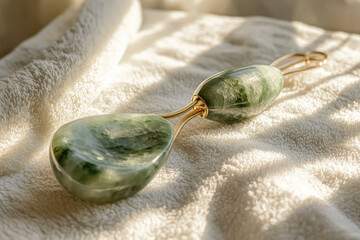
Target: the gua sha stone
pixel 105 158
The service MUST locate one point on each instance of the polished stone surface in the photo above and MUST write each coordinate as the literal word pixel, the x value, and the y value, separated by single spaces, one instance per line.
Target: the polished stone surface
pixel 239 93
pixel 108 157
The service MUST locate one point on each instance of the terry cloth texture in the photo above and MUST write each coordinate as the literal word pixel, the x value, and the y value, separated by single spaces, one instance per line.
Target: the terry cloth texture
pixel 292 172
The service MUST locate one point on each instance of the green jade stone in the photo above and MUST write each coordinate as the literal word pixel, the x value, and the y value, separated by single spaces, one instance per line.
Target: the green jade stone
pixel 239 93
pixel 108 157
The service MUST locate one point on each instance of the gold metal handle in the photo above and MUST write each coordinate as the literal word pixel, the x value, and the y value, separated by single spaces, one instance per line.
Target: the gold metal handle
pixel 199 109
pixel 294 63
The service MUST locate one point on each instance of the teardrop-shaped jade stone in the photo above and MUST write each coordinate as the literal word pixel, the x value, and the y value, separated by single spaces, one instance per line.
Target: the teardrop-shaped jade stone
pixel 239 93
pixel 108 157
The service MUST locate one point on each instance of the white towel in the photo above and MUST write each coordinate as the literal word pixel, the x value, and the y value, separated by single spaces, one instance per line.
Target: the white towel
pixel 293 172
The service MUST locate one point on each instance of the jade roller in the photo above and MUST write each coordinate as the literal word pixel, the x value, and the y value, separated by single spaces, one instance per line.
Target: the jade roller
pixel 109 157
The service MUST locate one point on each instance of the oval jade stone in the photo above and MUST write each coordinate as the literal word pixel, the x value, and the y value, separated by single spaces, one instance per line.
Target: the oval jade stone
pixel 108 157
pixel 239 93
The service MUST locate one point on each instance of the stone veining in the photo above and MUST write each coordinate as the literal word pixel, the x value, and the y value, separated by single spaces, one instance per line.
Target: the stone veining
pixel 108 157
pixel 239 93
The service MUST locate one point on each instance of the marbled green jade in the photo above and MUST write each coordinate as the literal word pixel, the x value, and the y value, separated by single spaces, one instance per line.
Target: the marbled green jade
pixel 108 157
pixel 239 93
